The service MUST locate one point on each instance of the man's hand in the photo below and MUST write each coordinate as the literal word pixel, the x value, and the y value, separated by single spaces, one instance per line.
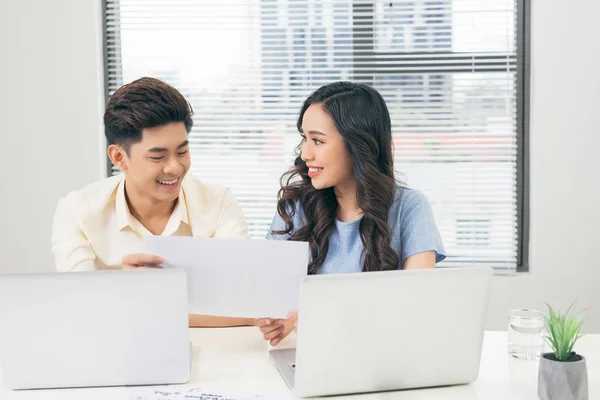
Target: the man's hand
pixel 275 330
pixel 141 261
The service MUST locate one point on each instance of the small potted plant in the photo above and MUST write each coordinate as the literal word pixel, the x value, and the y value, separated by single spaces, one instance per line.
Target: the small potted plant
pixel 563 373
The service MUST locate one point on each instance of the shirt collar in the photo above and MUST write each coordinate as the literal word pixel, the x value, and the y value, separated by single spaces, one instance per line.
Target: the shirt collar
pixel 124 217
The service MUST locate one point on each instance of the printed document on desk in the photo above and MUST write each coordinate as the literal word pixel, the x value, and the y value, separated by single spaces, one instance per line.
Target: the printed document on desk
pixel 236 277
pixel 189 393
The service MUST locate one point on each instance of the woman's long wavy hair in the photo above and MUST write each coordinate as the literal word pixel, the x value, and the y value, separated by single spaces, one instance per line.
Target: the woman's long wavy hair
pixel 362 118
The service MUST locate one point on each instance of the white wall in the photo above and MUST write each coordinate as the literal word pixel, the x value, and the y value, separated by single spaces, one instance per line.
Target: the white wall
pixel 51 112
pixel 565 173
pixel 52 130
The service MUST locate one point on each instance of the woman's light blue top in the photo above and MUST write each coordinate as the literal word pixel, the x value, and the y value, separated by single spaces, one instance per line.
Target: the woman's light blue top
pixel 413 231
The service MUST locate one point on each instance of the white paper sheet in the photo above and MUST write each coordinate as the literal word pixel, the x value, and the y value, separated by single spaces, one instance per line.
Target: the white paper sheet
pixel 236 277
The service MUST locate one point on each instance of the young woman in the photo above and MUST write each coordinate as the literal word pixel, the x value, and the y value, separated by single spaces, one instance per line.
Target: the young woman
pixel 342 198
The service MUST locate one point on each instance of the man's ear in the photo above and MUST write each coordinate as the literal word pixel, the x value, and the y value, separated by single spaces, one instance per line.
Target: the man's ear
pixel 118 156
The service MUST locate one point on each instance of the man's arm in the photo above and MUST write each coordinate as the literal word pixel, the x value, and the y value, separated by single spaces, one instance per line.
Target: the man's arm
pixel 72 251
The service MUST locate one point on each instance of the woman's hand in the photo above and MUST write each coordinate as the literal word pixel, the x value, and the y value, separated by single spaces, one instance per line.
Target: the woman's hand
pixel 275 330
pixel 141 261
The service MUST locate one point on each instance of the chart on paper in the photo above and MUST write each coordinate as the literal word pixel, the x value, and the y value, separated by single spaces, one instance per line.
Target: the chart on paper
pixel 187 393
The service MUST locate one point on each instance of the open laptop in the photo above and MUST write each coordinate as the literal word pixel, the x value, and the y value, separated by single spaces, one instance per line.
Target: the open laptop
pixel 102 328
pixel 390 330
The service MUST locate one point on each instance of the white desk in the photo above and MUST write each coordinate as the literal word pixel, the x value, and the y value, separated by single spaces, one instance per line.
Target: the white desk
pixel 236 360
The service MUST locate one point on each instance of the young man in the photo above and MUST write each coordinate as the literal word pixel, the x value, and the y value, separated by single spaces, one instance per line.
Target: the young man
pixel 101 226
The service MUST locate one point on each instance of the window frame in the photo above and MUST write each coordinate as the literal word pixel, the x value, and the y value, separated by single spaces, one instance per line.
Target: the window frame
pixel 363 37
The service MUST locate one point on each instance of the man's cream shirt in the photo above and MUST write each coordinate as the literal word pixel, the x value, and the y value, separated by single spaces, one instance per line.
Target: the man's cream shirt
pixel 94 230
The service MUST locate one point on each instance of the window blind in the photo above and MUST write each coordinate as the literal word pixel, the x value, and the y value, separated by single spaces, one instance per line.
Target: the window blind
pixel 448 70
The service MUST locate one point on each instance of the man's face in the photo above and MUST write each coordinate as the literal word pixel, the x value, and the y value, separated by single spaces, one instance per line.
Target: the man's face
pixel 155 166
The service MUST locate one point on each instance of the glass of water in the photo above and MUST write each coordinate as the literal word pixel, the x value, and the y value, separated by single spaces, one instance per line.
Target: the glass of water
pixel 525 333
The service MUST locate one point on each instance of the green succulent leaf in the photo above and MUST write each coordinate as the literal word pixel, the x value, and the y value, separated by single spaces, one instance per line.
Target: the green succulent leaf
pixel 563 331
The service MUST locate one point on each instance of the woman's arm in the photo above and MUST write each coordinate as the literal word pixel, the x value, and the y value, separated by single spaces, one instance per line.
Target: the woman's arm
pixel 419 239
pixel 201 321
pixel 422 260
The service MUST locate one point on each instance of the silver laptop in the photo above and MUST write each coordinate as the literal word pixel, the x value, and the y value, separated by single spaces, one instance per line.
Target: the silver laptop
pixel 103 328
pixel 391 330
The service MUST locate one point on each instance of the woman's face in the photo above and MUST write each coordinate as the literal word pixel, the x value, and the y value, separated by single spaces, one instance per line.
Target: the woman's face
pixel 323 150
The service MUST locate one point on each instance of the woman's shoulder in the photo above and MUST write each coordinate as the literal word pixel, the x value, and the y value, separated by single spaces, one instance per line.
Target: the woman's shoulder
pixel 406 197
pixel 295 211
pixel 409 205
